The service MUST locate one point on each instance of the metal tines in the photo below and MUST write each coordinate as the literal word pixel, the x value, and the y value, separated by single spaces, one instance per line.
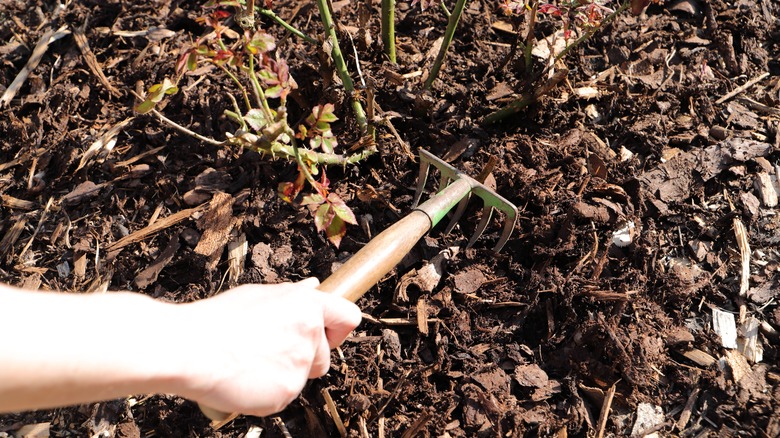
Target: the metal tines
pixel 457 187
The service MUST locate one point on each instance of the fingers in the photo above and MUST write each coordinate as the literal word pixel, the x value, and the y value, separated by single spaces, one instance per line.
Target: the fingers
pixel 312 282
pixel 340 317
pixel 321 363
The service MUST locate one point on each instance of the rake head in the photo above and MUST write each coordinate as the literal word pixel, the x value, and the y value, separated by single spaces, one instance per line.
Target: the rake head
pixel 456 188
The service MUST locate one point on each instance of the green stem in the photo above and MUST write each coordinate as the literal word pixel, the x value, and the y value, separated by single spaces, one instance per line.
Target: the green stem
pixel 240 85
pixel 445 45
pixel 298 159
pixel 388 28
pixel 270 14
pixel 341 67
pixel 258 90
pixel 447 12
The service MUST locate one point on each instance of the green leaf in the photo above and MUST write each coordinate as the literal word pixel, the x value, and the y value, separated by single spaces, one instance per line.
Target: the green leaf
pixel 261 42
pixel 341 209
pixel 313 199
pixel 255 118
pixel 329 144
pixel 192 61
pixel 336 231
pixel 274 92
pixel 144 107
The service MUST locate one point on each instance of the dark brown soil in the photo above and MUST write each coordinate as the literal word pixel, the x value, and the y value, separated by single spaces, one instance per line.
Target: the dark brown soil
pixel 524 343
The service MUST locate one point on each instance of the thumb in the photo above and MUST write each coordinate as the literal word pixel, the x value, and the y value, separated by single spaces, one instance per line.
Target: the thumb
pixel 340 316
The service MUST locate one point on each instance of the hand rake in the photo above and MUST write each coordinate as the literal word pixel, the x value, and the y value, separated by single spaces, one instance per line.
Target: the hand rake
pixel 364 269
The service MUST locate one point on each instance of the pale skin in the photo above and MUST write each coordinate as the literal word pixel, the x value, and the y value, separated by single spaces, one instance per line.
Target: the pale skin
pixel 248 350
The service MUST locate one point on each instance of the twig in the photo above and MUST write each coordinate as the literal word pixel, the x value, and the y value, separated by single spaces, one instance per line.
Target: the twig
pixel 89 57
pixel 527 99
pixel 742 88
pixel 334 412
pixel 605 408
pixel 113 248
pixel 184 130
pixel 688 410
pixel 40 49
pixel 282 427
pixel 37 228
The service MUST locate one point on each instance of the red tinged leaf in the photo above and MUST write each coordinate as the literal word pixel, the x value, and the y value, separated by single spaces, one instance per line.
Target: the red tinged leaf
pixel 550 10
pixel 288 191
pixel 341 209
pixel 323 217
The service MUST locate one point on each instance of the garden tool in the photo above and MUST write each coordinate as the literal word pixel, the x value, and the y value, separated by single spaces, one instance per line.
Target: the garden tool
pixel 364 269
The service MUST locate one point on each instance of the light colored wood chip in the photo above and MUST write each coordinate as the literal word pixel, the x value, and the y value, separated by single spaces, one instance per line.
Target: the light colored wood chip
pixel 700 357
pixel 39 430
pixel 216 224
pixel 724 325
pixel 766 189
pixel 748 342
pixel 18 204
pixel 114 248
pixel 104 144
pixel 422 316
pixel 744 252
pixel 237 250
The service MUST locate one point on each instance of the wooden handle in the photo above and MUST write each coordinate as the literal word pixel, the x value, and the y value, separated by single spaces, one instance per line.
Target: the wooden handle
pixel 366 267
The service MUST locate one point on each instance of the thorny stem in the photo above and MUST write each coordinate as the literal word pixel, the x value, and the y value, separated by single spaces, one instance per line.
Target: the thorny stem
pixel 388 28
pixel 270 14
pixel 589 33
pixel 251 141
pixel 341 66
pixel 526 99
pixel 445 45
pixel 529 40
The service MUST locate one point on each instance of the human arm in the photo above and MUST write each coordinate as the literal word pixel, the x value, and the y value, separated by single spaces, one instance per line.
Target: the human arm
pixel 248 350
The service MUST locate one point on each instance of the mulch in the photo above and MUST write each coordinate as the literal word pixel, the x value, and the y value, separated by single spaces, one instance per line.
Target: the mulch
pixel 637 294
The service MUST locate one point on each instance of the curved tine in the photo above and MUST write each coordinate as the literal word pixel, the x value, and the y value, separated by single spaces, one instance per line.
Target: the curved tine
pixel 458 213
pixel 509 226
pixel 444 181
pixel 487 213
pixel 421 179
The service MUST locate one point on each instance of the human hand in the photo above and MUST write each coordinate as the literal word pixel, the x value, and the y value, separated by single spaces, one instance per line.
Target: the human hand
pixel 256 345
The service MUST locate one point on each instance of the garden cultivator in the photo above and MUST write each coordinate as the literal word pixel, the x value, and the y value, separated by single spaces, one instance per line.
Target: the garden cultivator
pixel 364 269
pixel 383 252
